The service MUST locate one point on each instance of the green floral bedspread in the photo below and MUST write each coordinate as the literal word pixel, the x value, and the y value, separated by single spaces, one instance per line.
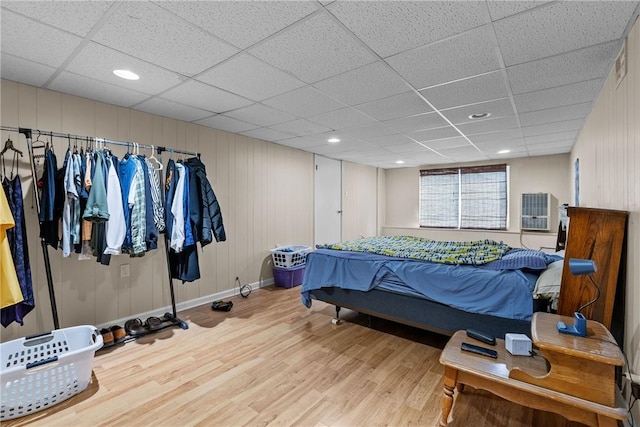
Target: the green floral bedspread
pixel 476 252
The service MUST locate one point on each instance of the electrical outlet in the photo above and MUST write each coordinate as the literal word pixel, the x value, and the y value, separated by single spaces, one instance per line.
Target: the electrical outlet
pixel 125 271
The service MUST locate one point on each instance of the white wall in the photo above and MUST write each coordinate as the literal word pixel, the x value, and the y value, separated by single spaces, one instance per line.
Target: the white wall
pixel 262 206
pixel 544 174
pixel 609 152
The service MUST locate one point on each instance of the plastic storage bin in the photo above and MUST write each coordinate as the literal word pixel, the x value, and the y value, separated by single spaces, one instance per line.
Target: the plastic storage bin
pixel 288 277
pixel 43 370
pixel 289 256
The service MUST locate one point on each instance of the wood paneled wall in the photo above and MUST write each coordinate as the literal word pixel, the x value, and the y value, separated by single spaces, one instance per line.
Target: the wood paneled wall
pixel 265 191
pixel 608 149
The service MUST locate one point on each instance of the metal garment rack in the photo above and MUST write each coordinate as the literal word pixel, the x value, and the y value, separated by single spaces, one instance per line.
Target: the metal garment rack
pixel 28 133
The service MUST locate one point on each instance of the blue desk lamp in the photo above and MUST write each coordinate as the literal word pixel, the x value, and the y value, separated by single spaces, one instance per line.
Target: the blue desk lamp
pixel 579 267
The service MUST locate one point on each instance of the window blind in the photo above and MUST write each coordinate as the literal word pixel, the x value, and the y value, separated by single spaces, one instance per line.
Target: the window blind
pixel 469 197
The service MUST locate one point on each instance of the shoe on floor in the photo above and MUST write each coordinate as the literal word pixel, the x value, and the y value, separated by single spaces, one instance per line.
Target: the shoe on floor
pixel 222 305
pixel 134 327
pixel 107 337
pixel 119 333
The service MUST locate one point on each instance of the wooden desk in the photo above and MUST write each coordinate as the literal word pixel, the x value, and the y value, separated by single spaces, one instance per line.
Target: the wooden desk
pixel 531 382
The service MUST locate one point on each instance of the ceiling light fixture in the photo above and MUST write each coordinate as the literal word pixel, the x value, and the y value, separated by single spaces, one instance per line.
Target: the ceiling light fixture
pixel 400 162
pixel 333 140
pixel 476 116
pixel 126 74
pixel 504 151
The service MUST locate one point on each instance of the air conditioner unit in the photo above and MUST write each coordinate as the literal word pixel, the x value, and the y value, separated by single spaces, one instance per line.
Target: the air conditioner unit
pixel 536 211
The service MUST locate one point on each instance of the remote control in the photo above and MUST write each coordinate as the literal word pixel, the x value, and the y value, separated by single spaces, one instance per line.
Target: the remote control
pixel 481 336
pixel 479 350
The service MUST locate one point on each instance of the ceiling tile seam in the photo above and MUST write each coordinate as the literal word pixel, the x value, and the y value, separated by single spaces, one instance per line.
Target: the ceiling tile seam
pixel 85 41
pixel 194 25
pixel 505 79
pixel 524 12
pixel 405 81
pixel 433 43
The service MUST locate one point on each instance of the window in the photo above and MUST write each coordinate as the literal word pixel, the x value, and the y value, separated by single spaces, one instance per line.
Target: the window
pixel 469 197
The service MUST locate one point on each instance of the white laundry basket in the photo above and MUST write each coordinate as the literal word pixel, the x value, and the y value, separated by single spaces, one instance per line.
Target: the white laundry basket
pixel 42 370
pixel 290 256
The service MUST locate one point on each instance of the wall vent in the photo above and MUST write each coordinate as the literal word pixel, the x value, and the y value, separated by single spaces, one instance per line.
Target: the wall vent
pixel 536 212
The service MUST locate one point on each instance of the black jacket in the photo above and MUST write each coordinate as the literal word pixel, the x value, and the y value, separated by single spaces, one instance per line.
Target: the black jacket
pixel 208 219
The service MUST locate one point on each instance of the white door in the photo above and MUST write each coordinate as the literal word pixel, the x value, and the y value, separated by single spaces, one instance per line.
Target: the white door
pixel 328 200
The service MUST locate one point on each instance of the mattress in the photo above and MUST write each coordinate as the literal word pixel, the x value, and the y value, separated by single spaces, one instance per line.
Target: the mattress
pixel 475 289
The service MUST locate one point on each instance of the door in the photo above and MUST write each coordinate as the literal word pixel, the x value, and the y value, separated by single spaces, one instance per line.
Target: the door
pixel 328 200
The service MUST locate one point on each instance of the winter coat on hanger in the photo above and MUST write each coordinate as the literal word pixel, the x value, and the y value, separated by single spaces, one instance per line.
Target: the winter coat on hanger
pixel 210 219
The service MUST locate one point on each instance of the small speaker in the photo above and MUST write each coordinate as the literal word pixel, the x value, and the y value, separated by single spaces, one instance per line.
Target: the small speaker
pixel 518 344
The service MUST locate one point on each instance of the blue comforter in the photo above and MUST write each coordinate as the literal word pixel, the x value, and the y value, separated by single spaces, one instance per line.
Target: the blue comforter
pixel 503 293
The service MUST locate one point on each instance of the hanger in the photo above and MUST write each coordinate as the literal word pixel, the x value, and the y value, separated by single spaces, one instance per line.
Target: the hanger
pixel 8 145
pixel 152 158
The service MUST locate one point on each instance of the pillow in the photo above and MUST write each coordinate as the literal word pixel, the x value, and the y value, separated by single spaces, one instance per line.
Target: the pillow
pixel 548 284
pixel 517 258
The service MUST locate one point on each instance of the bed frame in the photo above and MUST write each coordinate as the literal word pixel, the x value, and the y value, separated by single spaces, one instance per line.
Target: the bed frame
pixel 418 312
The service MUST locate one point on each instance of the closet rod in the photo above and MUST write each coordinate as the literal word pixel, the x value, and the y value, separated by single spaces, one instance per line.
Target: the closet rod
pixel 100 140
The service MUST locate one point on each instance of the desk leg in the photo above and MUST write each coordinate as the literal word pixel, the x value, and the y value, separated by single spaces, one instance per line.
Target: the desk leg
pixel 450 378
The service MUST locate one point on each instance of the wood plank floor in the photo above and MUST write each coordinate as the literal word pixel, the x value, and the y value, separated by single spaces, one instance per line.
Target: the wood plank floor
pixel 271 361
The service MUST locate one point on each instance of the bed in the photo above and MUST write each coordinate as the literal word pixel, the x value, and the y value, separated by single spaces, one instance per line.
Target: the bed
pixel 437 286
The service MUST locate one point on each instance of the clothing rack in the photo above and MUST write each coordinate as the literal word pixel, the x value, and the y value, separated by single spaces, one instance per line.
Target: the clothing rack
pixel 172 317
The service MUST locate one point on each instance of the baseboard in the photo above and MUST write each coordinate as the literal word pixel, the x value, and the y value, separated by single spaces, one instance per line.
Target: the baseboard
pixel 185 305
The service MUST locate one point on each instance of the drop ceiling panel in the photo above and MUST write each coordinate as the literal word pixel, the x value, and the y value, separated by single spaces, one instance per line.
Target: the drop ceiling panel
pixel 93 89
pixel 342 119
pixel 24 71
pixel 419 122
pixel 466 55
pixel 468 91
pixel 143 30
pixel 249 77
pixel 228 124
pixel 558 97
pixel 28 39
pixel 390 27
pixel 431 134
pixel 367 83
pixel 389 140
pixel 267 134
pixel 165 108
pixel 314 49
pixel 304 102
pixel 560 27
pixel 369 131
pixel 506 135
pixel 300 127
pixel 569 112
pixel 393 107
pixel 555 127
pixel 502 9
pixel 206 97
pixel 551 137
pixel 439 144
pixel 489 125
pixel 98 62
pixel 241 23
pixel 260 115
pixel 497 108
pixel 77 17
pixel 410 147
pixel 350 69
pixel 573 67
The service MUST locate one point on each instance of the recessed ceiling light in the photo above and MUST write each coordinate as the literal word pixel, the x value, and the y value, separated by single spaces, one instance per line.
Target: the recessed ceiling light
pixel 504 151
pixel 400 162
pixel 126 74
pixel 479 116
pixel 333 140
